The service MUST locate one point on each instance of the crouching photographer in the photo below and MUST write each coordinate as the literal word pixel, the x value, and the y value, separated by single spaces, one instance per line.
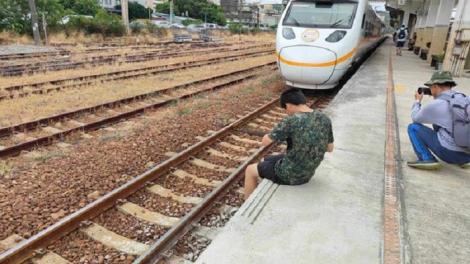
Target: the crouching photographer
pixel 449 114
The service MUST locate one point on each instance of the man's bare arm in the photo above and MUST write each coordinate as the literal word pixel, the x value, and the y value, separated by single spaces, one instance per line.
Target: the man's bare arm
pixel 330 147
pixel 266 140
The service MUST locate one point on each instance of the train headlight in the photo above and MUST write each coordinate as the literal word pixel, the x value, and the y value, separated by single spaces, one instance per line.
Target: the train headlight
pixel 336 36
pixel 288 33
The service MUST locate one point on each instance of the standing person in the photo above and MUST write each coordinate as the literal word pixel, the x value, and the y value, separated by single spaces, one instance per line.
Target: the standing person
pixel 309 135
pixel 401 36
pixel 449 141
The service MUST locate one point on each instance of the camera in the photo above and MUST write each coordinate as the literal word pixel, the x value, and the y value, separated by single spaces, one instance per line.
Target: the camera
pixel 424 90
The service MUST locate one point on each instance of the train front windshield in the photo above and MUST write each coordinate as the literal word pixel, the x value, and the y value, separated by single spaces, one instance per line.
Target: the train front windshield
pixel 321 14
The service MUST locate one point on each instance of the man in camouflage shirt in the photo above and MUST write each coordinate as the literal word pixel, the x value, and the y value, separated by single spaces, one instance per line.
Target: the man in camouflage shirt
pixel 308 134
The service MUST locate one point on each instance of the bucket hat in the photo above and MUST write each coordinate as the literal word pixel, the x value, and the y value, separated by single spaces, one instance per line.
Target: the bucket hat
pixel 441 77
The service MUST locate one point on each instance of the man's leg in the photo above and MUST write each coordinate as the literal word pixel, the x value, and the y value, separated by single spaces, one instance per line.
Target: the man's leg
pixel 423 140
pixel 420 141
pixel 428 138
pixel 251 179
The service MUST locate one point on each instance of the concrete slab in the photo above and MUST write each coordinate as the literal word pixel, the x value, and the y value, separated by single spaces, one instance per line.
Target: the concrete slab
pixel 436 202
pixel 337 217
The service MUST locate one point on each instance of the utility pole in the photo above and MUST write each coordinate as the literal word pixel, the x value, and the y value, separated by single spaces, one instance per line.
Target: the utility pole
pixel 34 22
pixel 125 14
pixel 171 12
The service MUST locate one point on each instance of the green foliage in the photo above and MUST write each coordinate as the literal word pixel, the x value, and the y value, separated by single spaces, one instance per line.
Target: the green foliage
pixel 103 23
pixel 154 29
pixel 200 9
pixel 136 10
pixel 163 8
pixel 136 27
pixel 237 28
pixel 53 12
pixel 82 7
pixel 13 16
pixel 188 22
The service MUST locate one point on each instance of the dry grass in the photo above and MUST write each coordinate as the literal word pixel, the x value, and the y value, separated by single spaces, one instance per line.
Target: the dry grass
pixel 35 106
pixel 264 37
pixel 12 38
pixel 8 81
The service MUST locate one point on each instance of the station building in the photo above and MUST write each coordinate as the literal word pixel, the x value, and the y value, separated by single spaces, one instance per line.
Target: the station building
pixel 440 29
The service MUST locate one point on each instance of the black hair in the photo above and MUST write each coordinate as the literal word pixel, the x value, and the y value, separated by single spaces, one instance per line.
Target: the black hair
pixel 446 84
pixel 292 96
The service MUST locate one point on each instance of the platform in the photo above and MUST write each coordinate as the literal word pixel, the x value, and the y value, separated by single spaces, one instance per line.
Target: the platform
pixel 338 216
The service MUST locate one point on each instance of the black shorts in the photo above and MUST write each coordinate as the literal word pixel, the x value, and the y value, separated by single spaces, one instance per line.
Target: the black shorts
pixel 266 168
pixel 400 44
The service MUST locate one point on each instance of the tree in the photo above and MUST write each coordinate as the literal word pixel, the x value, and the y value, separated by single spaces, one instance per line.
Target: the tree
pixel 199 9
pixel 14 16
pixel 53 11
pixel 136 10
pixel 82 7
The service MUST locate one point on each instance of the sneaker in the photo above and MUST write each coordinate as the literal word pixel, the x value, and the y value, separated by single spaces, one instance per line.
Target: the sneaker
pixel 425 164
pixel 465 166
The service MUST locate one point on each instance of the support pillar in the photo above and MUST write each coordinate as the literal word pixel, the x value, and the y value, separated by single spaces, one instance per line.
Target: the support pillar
pixel 406 18
pixel 430 21
pixel 459 42
pixel 441 27
pixel 419 31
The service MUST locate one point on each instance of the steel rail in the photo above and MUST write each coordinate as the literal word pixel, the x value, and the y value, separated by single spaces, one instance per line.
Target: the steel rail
pixel 135 72
pixel 57 65
pixel 26 126
pixel 156 251
pixel 162 69
pixel 49 139
pixel 170 238
pixel 26 248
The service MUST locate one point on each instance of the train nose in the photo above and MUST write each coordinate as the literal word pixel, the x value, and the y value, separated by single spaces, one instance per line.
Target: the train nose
pixel 306 64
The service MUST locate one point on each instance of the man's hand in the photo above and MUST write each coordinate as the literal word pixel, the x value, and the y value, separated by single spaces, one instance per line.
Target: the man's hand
pixel 418 97
pixel 330 147
pixel 266 140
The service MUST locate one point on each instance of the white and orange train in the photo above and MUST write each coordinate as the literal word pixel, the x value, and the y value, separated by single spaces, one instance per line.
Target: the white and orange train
pixel 318 40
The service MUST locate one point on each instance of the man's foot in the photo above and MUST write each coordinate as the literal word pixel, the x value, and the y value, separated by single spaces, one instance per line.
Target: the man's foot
pixel 425 164
pixel 465 166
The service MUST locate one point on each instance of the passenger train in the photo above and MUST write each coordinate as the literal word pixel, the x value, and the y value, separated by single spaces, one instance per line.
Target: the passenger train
pixel 317 41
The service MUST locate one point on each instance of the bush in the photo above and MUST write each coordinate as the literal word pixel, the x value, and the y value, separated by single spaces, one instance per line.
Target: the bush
pixel 136 27
pixel 188 22
pixel 154 29
pixel 237 28
pixel 104 24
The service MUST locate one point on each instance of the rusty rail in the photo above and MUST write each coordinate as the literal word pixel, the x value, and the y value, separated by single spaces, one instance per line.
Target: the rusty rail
pixel 16 149
pixel 61 64
pixel 90 79
pixel 23 250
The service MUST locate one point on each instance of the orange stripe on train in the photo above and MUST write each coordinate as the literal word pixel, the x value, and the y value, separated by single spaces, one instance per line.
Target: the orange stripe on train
pixel 322 64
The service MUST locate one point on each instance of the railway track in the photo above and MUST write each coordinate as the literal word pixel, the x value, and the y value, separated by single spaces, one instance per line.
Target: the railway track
pixel 66 63
pixel 215 164
pixel 74 82
pixel 27 136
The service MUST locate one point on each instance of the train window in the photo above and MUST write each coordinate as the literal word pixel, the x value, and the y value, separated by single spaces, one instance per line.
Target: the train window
pixel 363 20
pixel 321 14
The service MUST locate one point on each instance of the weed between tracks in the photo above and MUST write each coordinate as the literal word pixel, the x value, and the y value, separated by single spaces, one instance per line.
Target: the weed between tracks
pixel 35 106
pixel 8 81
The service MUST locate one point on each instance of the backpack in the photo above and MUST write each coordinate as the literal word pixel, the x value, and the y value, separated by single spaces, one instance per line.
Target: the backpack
pixel 402 34
pixel 460 108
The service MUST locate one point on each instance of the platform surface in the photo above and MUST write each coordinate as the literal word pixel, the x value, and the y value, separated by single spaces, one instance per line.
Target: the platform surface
pixel 337 216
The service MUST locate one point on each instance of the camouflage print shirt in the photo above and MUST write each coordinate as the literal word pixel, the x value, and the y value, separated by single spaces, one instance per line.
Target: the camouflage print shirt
pixel 308 135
